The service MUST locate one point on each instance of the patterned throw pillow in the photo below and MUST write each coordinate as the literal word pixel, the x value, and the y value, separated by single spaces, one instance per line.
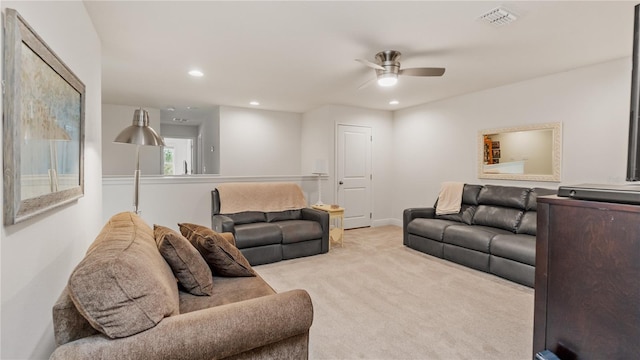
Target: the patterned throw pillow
pixel 187 264
pixel 223 257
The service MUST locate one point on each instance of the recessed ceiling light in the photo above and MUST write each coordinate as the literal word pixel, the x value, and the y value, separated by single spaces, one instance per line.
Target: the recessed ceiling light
pixel 254 103
pixel 394 102
pixel 196 73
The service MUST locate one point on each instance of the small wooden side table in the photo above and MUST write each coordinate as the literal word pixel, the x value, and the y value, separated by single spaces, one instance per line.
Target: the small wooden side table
pixel 337 232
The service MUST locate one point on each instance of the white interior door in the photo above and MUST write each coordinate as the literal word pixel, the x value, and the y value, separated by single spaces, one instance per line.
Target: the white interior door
pixel 354 174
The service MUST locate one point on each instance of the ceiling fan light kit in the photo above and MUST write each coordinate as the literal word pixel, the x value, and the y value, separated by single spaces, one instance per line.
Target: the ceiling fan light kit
pixel 386 80
pixel 387 68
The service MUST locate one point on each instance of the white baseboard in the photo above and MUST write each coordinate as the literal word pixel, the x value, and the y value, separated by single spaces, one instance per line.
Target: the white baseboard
pixel 385 222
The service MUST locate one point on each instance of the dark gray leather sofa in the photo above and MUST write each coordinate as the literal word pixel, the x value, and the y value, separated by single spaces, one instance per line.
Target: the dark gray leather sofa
pixel 495 231
pixel 266 237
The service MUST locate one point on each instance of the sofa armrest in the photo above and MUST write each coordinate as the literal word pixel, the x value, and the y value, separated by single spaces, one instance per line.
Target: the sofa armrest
pixel 323 218
pixel 222 223
pixel 212 333
pixel 413 213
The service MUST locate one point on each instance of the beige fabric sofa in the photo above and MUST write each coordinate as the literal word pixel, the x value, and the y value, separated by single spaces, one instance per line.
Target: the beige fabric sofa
pixel 123 302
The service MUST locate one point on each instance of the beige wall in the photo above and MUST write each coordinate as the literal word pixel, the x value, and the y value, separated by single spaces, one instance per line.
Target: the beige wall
pixel 436 142
pixel 120 159
pixel 38 255
pixel 319 139
pixel 259 142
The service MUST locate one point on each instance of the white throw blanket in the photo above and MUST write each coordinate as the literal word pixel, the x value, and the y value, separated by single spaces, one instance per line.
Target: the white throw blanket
pixel 267 197
pixel 450 198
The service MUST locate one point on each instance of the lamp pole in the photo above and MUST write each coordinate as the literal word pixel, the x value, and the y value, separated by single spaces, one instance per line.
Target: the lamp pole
pixel 319 189
pixel 136 177
pixel 139 133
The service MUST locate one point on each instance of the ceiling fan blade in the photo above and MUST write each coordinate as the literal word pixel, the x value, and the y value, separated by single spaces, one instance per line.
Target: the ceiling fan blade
pixel 422 71
pixel 370 64
pixel 367 83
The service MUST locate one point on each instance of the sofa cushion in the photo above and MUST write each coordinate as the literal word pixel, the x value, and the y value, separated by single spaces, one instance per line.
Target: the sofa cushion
pixel 263 254
pixel 223 258
pixel 521 248
pixel 257 234
pixel 507 196
pixel 294 231
pixel 247 217
pixel 68 323
pixel 464 216
pixel 429 228
pixel 227 290
pixel 123 285
pixel 513 270
pixel 187 264
pixel 284 215
pixel 498 217
pixel 528 223
pixel 471 237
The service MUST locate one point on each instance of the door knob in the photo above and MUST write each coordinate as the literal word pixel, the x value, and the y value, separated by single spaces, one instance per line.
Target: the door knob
pixel 340 183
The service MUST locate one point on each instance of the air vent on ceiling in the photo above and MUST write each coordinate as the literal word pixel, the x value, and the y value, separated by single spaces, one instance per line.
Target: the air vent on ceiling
pixel 180 120
pixel 499 16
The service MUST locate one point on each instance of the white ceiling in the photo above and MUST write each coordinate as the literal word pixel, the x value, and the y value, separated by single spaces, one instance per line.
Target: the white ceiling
pixel 299 55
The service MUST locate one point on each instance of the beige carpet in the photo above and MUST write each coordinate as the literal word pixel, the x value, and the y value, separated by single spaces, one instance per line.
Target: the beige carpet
pixel 377 299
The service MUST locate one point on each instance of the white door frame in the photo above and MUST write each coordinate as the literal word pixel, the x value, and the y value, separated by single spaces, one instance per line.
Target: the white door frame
pixel 335 164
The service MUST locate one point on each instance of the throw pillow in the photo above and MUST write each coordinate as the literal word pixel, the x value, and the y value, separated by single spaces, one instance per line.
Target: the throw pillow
pixel 188 266
pixel 223 258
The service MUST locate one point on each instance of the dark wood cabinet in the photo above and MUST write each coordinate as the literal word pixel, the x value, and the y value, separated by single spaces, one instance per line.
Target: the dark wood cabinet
pixel 587 285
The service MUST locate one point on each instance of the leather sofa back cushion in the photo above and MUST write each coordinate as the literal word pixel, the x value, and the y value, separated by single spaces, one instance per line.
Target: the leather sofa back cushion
pixel 507 196
pixel 284 215
pixel 470 194
pixel 123 286
pixel 532 204
pixel 464 216
pixel 247 217
pixel 497 216
pixel 528 223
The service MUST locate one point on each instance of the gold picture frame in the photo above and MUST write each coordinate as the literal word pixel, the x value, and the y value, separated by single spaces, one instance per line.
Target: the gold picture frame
pixel 43 125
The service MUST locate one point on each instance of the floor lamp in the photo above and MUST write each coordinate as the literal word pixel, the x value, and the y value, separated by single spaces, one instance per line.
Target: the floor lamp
pixel 320 169
pixel 139 133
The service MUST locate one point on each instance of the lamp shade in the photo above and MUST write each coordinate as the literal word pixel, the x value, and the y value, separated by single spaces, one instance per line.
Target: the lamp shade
pixel 140 133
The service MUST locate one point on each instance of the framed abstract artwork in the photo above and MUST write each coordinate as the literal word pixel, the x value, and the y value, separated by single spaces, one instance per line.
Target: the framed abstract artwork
pixel 43 125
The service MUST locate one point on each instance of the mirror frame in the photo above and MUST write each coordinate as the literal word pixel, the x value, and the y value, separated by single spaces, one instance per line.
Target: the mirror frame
pixel 556 156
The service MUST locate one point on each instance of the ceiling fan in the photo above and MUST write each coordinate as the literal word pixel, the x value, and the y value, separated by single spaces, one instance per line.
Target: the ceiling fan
pixel 387 68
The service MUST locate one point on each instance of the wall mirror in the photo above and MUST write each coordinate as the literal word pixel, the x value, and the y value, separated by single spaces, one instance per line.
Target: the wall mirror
pixel 529 152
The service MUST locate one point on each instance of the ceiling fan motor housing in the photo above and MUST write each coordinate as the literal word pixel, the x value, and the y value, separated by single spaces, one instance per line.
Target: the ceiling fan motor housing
pixel 388 59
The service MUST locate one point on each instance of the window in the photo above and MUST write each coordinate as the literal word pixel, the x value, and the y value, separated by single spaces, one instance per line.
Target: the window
pixel 178 156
